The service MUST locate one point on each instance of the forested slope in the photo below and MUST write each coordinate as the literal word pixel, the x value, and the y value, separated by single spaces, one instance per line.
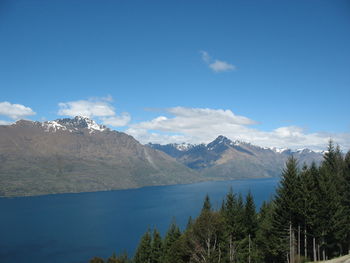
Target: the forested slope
pixel 308 219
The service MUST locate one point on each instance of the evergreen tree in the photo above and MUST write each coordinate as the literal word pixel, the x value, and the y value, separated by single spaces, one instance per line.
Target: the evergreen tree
pixel 246 248
pixel 206 204
pixel 287 212
pixel 144 250
pixel 171 237
pixel 313 204
pixel 123 258
pixel 340 227
pixel 113 259
pixel 181 250
pixel 267 241
pixel 96 260
pixel 346 201
pixel 239 230
pixel 250 219
pixel 229 207
pixel 157 248
pixel 239 218
pixel 229 215
pixel 333 160
pixel 189 222
pixel 330 212
pixel 310 203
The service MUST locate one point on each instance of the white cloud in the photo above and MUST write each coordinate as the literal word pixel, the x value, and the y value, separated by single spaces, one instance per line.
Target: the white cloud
pixel 199 125
pixel 86 108
pixel 195 125
pixel 100 108
pixel 221 66
pixel 216 65
pixel 117 121
pixel 15 111
pixel 4 122
pixel 191 119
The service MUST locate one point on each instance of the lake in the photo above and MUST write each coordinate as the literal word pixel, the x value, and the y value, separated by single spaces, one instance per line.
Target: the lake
pixel 72 228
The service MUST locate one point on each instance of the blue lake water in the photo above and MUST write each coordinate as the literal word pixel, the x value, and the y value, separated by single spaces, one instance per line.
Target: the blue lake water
pixel 72 228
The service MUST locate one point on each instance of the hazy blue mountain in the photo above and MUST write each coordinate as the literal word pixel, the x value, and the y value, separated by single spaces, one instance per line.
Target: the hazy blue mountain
pixel 227 159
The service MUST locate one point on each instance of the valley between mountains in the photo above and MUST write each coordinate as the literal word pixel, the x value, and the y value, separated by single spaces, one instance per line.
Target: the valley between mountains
pixel 78 155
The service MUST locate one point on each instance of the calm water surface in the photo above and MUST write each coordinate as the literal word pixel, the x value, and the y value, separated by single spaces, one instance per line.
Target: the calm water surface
pixel 69 228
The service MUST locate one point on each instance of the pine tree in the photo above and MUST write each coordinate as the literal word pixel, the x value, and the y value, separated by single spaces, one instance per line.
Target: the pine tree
pixel 340 218
pixel 123 258
pixel 310 202
pixel 287 212
pixel 229 215
pixel 250 220
pixel 346 200
pixel 330 212
pixel 333 161
pixel 157 247
pixel 96 260
pixel 113 259
pixel 180 251
pixel 171 237
pixel 144 250
pixel 189 222
pixel 267 240
pixel 245 246
pixel 206 204
pixel 239 218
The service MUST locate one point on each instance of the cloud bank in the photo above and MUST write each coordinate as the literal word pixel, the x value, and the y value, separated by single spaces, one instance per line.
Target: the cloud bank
pixel 216 65
pixel 100 108
pixel 202 125
pixel 4 122
pixel 15 111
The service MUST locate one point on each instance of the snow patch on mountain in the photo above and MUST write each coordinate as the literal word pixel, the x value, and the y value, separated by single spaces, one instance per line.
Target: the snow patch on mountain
pixel 73 125
pixel 183 146
pixel 279 150
pixel 53 126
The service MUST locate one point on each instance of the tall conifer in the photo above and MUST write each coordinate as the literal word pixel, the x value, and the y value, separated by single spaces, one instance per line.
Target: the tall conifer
pixel 286 212
pixel 171 237
pixel 157 247
pixel 144 250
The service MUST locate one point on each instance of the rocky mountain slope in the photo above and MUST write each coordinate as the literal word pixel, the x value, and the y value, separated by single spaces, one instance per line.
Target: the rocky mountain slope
pixel 226 159
pixel 76 155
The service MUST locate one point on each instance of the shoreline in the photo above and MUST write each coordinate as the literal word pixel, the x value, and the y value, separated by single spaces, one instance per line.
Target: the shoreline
pixel 133 188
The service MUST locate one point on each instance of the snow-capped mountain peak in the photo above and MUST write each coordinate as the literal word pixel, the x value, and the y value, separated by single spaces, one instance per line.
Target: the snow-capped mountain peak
pixel 220 140
pixel 279 150
pixel 71 125
pixel 183 146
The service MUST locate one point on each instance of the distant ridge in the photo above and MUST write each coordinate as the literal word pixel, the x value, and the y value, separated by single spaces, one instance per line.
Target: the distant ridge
pixel 79 155
pixel 227 159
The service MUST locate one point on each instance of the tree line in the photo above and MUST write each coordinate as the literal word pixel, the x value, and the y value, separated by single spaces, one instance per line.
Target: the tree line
pixel 307 220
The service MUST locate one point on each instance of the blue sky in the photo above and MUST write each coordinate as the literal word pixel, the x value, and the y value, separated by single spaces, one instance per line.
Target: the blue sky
pixel 275 73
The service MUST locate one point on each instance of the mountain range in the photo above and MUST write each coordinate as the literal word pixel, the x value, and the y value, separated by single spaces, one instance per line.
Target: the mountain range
pixel 227 159
pixel 78 155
